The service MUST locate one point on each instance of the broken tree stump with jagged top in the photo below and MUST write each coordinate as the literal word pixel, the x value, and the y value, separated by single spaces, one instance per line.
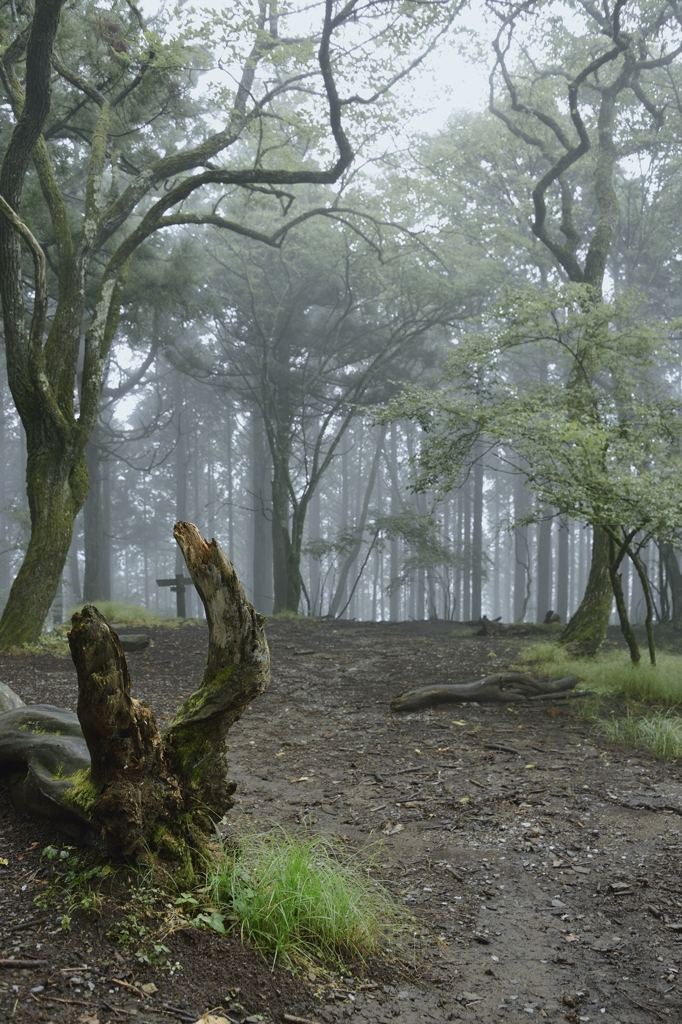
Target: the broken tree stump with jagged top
pixel 107 772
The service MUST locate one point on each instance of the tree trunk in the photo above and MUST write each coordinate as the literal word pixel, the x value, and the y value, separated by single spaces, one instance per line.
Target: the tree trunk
pixel 76 594
pixel 57 482
pixel 108 773
pixel 586 631
pixel 674 576
pixel 641 568
pixel 544 573
pixel 182 460
pixel 626 629
pixel 96 578
pixel 396 507
pixel 351 558
pixel 314 533
pixel 280 537
pixel 563 574
pixel 477 544
pixel 521 551
pixel 466 573
pixel 262 515
pixel 4 518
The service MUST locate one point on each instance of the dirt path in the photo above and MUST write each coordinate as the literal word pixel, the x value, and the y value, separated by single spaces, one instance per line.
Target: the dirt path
pixel 543 869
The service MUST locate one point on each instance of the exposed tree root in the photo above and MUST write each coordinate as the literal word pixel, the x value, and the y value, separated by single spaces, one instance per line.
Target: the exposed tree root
pixel 502 687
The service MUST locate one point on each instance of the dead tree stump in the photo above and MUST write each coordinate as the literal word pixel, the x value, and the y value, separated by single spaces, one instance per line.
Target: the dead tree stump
pixel 110 772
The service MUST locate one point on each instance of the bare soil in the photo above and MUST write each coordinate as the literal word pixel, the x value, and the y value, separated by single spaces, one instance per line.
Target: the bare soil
pixel 542 866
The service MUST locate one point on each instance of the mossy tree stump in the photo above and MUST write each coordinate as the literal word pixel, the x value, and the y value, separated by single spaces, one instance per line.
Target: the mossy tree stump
pixel 108 772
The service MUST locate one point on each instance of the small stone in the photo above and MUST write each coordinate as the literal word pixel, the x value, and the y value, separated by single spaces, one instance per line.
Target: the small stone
pixel 37 989
pixel 149 989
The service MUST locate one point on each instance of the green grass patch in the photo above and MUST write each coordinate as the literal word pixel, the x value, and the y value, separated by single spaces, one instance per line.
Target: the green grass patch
pixel 610 673
pixel 54 643
pixel 659 733
pixel 122 614
pixel 304 899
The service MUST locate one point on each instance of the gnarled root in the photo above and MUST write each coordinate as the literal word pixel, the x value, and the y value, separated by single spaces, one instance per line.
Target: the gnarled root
pixel 503 687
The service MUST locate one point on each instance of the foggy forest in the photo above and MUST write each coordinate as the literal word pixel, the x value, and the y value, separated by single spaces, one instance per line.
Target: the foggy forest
pixel 246 381
pixel 340 403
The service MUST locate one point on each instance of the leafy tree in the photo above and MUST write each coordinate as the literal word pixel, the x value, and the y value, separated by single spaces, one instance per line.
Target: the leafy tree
pixel 599 441
pixel 585 97
pixel 309 336
pixel 114 157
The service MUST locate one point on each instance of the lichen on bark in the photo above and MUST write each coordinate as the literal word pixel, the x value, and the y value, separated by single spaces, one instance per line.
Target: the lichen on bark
pixel 109 773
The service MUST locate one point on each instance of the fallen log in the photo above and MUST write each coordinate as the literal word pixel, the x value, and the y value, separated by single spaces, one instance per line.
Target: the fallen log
pixel 106 773
pixel 502 687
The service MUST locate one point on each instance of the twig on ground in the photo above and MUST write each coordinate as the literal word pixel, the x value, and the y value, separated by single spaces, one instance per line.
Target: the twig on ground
pixel 23 963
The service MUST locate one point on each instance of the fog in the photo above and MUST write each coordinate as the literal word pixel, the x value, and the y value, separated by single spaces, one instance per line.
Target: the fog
pixel 259 378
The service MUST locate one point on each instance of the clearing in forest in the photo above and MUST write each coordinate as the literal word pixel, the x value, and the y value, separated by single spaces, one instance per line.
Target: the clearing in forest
pixel 541 864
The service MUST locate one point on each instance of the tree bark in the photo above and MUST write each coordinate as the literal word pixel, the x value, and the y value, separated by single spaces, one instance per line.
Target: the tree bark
pixel 502 687
pixel 669 558
pixel 544 571
pixel 563 571
pixel 361 521
pixel 477 544
pixel 621 605
pixel 56 487
pixel 586 631
pixel 96 577
pixel 262 515
pixel 237 671
pixel 108 773
pixel 521 551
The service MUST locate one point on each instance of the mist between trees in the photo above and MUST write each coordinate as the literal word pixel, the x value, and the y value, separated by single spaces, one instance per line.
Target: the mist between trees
pixel 396 380
pixel 398 561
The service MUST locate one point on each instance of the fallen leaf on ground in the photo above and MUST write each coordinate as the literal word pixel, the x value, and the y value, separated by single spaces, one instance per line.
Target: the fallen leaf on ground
pixel 390 829
pixel 606 943
pixel 303 778
pixel 571 937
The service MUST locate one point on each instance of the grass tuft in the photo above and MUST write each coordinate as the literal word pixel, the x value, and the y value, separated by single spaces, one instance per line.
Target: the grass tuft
pixel 660 733
pixel 611 673
pixel 304 899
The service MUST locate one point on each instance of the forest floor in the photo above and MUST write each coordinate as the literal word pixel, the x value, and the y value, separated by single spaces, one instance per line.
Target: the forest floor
pixel 542 866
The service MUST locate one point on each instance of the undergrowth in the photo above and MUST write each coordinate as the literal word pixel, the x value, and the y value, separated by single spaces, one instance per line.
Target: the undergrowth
pixel 658 731
pixel 123 614
pixel 611 672
pixel 117 612
pixel 649 719
pixel 304 901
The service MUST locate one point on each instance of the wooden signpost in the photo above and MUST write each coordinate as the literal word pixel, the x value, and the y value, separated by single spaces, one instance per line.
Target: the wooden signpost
pixel 178 584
